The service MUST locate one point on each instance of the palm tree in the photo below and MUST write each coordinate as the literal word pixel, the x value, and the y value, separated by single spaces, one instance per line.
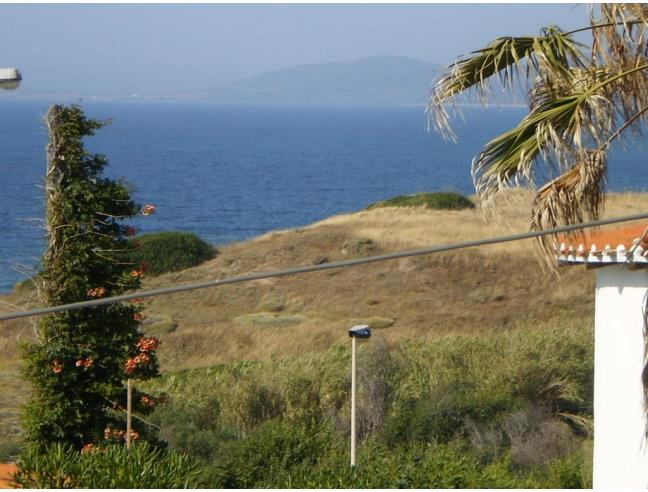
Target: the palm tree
pixel 581 99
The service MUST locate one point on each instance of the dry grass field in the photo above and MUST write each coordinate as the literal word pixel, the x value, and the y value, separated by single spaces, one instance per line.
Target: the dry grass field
pixel 495 289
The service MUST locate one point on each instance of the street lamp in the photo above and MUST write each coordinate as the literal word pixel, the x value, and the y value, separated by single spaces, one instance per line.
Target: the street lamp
pixel 358 331
pixel 10 78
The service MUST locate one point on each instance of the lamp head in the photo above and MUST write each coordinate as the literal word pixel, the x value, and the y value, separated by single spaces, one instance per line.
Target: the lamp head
pixel 360 331
pixel 10 78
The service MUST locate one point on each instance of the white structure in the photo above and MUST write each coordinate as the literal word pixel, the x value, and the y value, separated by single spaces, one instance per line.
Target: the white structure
pixel 620 446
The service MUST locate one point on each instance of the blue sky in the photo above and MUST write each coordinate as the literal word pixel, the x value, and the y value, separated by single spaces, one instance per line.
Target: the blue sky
pixel 152 49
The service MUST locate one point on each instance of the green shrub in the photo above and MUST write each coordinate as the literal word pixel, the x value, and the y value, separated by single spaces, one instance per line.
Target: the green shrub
pixel 270 319
pixel 114 466
pixel 418 466
pixel 26 286
pixel 169 251
pixel 462 411
pixel 441 200
pixel 274 449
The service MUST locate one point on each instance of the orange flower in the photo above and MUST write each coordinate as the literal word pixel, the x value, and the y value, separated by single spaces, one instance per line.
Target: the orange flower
pixel 148 344
pixel 137 274
pixel 148 210
pixel 87 363
pixel 142 359
pixel 131 366
pixel 57 367
pixel 110 433
pixel 147 401
pixel 88 448
pixel 138 316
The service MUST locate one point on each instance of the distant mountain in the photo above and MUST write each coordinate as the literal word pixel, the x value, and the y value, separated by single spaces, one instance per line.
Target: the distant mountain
pixel 380 80
pixel 385 80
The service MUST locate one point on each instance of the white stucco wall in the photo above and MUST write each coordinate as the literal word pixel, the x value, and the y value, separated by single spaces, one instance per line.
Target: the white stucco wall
pixel 620 451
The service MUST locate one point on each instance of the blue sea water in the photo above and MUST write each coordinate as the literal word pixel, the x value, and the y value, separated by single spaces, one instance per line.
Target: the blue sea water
pixel 229 173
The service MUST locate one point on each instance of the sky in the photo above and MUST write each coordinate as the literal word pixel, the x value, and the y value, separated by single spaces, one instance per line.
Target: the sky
pixel 159 49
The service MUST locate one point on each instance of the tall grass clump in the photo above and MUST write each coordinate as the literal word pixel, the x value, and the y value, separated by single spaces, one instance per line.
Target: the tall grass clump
pixel 442 200
pixel 169 251
pixel 111 467
pixel 501 410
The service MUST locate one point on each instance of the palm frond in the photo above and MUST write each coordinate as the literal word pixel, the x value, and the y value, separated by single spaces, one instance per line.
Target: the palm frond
pixel 548 89
pixel 573 197
pixel 560 130
pixel 556 126
pixel 554 52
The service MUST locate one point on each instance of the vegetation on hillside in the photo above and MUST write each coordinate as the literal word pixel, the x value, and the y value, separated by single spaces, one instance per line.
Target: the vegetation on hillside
pixel 169 251
pixel 437 305
pixel 465 411
pixel 441 200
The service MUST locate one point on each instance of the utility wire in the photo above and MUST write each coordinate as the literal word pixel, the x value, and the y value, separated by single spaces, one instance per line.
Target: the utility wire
pixel 316 268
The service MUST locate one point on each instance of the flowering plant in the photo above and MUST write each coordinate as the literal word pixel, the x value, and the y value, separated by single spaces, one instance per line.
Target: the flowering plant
pixel 79 364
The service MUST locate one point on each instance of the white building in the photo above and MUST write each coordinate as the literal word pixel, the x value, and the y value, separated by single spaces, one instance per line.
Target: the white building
pixel 620 257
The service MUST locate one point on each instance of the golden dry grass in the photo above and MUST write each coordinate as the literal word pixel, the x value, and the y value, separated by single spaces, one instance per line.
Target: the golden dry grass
pixel 495 288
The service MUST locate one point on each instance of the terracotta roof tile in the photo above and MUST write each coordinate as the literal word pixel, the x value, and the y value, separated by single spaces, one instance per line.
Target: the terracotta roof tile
pixel 6 471
pixel 620 245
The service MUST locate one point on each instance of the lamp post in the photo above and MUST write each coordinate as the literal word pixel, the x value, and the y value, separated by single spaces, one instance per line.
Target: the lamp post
pixel 362 332
pixel 10 78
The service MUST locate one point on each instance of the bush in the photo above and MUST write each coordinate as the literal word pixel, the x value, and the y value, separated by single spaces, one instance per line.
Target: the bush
pixel 508 409
pixel 443 200
pixel 114 466
pixel 274 449
pixel 170 251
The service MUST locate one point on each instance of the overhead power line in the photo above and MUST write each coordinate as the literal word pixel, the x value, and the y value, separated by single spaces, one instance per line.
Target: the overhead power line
pixel 316 268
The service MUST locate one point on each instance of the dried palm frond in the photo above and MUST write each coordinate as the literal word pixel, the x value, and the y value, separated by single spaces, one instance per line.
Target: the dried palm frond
pixel 619 34
pixel 553 52
pixel 573 197
pixel 619 44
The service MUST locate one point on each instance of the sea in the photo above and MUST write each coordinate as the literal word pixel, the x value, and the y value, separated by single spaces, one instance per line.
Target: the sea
pixel 229 173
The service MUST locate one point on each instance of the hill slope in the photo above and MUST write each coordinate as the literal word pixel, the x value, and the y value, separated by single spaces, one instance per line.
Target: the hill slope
pixel 496 289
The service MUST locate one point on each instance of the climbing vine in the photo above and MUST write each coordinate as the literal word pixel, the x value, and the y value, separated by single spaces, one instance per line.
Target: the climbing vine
pixel 81 360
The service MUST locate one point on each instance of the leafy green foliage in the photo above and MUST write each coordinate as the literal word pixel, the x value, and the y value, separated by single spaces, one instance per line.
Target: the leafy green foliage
pixel 78 365
pixel 169 251
pixel 111 467
pixel 464 411
pixel 443 200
